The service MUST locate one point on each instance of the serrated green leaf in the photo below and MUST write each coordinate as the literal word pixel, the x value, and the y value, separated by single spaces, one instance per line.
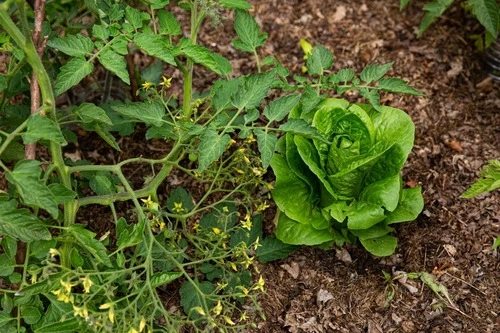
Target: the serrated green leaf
pixel 100 32
pixel 345 75
pixel 148 113
pixel 319 60
pixel 252 90
pixel 195 295
pixel 487 13
pixel 73 45
pixel 89 113
pixel 301 127
pixel 180 201
pixel 7 264
pixel 397 86
pixel 41 127
pixel 9 246
pixel 433 10
pixel 211 148
pixel 13 153
pixel 223 66
pixel 62 194
pixel 5 318
pixel 30 314
pixel 269 61
pixel 489 180
pixel 157 4
pixel 6 304
pixel 119 44
pixel 114 63
pixel 165 131
pixel 71 74
pixel 102 184
pixel 251 116
pixel 271 249
pixel 156 46
pixel 71 325
pixel 131 236
pixel 135 17
pixel 163 278
pixel 403 4
pixel 168 23
pixel 278 109
pixel 21 224
pixel 248 31
pixel 203 56
pixel 106 136
pixel 266 143
pixel 310 98
pixel 374 72
pixel 31 189
pixel 372 96
pixel 86 240
pixel 222 91
pixel 239 4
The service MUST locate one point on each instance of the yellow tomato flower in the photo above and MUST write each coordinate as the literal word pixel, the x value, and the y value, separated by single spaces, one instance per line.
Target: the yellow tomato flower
pixel 256 245
pixel 217 309
pixel 216 231
pixel 105 306
pixel 243 316
pixel 233 266
pixel 248 262
pixel 250 139
pixel 167 83
pixel 228 320
pixel 142 324
pixel 260 284
pixel 111 315
pixel 67 285
pixel 262 207
pixel 150 204
pixel 247 223
pixel 82 312
pixel 199 310
pixel 147 85
pixel 178 207
pixel 34 278
pixel 54 252
pixel 87 283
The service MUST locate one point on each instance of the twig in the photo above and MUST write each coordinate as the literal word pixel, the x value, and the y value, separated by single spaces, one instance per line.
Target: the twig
pixel 30 148
pixel 39 8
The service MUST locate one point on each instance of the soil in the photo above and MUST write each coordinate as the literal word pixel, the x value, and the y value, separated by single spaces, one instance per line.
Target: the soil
pixel 457 131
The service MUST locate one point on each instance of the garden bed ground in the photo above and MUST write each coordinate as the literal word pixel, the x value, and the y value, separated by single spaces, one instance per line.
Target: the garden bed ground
pixel 457 131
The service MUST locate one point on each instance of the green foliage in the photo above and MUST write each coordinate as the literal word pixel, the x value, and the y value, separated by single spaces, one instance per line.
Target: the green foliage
pixel 351 183
pixel 221 142
pixel 489 180
pixel 487 12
